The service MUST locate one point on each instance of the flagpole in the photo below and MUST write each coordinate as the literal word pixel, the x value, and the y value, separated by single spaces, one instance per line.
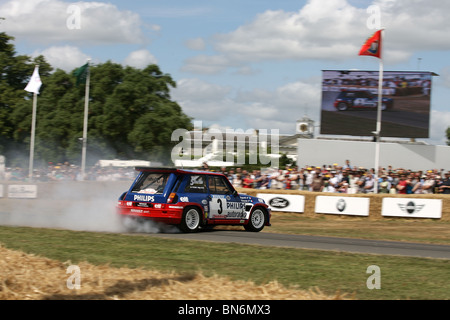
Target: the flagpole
pixel 85 123
pixel 378 131
pixel 33 130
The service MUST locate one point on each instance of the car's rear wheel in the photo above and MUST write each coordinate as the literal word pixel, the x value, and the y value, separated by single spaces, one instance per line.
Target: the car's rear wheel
pixel 342 106
pixel 256 221
pixel 190 222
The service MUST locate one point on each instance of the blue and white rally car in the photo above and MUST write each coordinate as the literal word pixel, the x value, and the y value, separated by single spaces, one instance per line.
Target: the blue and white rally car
pixel 190 200
pixel 361 99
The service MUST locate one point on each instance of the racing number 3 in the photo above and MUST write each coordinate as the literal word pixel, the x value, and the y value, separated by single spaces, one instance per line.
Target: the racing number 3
pixel 219 201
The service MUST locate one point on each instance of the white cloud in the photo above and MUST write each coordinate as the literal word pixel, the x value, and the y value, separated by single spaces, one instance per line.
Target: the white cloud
pixel 329 30
pixel 50 21
pixel 66 58
pixel 140 59
pixel 202 100
pixel 258 109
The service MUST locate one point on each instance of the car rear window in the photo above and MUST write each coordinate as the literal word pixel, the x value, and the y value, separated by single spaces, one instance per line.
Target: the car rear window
pixel 151 183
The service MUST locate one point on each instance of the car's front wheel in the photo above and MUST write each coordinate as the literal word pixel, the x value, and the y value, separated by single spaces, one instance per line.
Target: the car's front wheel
pixel 190 222
pixel 256 221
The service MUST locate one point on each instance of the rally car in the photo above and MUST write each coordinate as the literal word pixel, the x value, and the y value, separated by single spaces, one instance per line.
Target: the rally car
pixel 190 200
pixel 348 99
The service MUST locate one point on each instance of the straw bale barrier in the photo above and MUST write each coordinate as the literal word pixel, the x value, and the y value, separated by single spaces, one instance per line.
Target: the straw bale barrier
pixel 29 277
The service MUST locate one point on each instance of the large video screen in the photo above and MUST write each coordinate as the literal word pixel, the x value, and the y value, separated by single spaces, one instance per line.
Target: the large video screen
pixel 350 101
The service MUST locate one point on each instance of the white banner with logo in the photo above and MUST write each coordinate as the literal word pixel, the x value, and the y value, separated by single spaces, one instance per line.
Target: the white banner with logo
pixel 354 206
pixel 284 202
pixel 412 208
pixel 28 191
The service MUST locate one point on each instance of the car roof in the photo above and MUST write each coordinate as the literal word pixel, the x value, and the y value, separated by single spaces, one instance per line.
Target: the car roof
pixel 175 170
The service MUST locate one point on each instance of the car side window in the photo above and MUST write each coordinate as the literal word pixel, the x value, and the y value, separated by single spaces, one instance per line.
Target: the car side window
pixel 217 185
pixel 196 184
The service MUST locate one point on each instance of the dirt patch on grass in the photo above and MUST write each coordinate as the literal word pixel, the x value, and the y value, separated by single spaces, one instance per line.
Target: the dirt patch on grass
pixel 29 277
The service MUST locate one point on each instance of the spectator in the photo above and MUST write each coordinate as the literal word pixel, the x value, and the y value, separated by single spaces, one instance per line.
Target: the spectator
pixel 317 183
pixel 418 186
pixel 438 184
pixel 264 182
pixel 237 181
pixel 277 180
pixel 353 182
pixel 333 181
pixel 257 179
pixel 445 186
pixel 429 183
pixel 369 185
pixel 402 184
pixel 247 182
pixel 361 183
pixel 347 165
pixel 393 180
pixel 309 175
pixel 385 185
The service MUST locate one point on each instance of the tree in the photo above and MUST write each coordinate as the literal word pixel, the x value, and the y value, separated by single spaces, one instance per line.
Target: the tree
pixel 131 114
pixel 15 102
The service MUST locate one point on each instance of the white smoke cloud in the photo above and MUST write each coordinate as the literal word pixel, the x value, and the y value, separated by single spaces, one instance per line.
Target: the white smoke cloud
pixel 79 206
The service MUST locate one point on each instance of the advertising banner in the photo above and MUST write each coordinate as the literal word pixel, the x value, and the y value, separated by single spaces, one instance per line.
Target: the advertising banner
pixel 284 202
pixel 353 206
pixel 412 208
pixel 23 191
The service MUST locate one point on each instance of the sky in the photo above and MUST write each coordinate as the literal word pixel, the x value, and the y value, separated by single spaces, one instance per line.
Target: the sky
pixel 242 64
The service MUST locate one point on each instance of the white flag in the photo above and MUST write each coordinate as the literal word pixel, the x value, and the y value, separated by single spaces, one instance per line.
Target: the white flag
pixel 35 82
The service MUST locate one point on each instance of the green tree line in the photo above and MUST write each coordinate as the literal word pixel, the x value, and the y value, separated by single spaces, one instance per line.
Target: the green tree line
pixel 131 114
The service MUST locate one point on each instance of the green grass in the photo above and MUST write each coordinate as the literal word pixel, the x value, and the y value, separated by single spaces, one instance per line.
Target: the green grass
pixel 401 277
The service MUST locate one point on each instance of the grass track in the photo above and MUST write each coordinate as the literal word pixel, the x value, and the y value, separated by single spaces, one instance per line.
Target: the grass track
pixel 401 277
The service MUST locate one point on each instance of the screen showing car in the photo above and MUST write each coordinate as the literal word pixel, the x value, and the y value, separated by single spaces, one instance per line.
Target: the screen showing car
pixel 350 103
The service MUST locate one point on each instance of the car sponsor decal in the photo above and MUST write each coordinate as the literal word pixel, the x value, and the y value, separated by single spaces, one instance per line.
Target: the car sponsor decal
pixel 222 207
pixel 138 197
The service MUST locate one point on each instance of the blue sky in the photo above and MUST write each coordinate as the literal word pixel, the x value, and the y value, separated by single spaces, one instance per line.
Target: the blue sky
pixel 241 64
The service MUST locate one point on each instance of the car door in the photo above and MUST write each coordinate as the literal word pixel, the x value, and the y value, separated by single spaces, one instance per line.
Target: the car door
pixel 224 202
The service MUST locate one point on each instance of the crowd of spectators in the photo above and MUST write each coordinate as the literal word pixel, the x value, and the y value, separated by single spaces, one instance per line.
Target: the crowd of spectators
pixel 332 178
pixel 343 179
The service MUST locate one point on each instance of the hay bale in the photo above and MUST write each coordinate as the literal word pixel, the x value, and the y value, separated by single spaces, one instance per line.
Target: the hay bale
pixel 29 277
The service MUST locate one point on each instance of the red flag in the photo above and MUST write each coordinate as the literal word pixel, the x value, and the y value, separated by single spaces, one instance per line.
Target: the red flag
pixel 372 47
